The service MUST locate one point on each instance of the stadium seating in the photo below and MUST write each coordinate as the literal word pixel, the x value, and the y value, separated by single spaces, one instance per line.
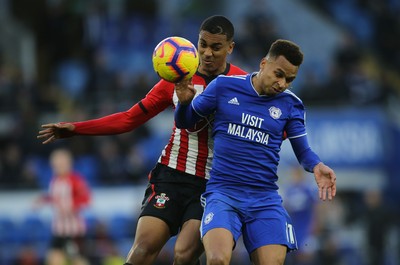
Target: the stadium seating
pixel 121 227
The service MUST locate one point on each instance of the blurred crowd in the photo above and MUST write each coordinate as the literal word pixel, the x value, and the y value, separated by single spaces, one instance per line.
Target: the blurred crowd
pixel 93 58
pixel 366 65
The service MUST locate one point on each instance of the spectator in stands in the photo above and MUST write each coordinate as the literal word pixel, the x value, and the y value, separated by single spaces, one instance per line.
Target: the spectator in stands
pixel 378 221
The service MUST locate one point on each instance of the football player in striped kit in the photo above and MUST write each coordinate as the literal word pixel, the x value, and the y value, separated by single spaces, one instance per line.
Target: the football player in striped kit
pixel 251 114
pixel 171 205
pixel 68 195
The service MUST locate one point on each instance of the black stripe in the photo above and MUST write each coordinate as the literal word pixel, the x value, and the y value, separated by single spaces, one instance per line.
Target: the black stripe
pixel 142 107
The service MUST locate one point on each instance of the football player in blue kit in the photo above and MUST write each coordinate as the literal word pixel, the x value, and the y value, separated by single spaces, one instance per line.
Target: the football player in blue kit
pixel 251 113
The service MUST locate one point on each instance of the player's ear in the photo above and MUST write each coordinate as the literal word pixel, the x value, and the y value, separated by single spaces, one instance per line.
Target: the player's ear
pixel 231 46
pixel 263 62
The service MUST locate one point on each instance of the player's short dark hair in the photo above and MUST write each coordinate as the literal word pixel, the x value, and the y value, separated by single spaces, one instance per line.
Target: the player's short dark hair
pixel 218 25
pixel 290 50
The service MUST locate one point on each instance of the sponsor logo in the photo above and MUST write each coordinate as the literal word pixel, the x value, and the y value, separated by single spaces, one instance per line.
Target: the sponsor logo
pixel 234 101
pixel 208 218
pixel 275 112
pixel 161 200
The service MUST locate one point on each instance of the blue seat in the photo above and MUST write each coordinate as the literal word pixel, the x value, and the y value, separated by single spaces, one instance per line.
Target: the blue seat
pixel 43 171
pixel 92 226
pixel 88 166
pixel 7 231
pixel 33 229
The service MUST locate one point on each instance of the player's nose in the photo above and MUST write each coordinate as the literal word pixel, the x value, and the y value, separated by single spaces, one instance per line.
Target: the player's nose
pixel 208 52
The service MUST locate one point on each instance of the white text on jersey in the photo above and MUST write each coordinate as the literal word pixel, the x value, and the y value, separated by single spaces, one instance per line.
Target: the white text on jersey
pixel 252 120
pixel 248 133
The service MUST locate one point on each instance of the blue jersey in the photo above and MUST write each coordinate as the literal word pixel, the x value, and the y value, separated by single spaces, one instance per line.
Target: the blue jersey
pixel 248 132
pixel 300 200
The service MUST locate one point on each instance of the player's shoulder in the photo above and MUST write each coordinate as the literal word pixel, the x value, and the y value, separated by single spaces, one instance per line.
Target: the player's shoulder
pixel 227 79
pixel 292 96
pixel 236 70
pixel 76 179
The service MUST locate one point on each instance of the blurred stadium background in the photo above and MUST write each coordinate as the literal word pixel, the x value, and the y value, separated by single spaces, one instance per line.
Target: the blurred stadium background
pixel 70 60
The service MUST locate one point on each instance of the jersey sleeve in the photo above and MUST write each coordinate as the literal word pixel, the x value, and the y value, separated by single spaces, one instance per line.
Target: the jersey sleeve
pixel 296 132
pixel 204 104
pixel 234 70
pixel 296 123
pixel 306 157
pixel 185 116
pixel 81 192
pixel 157 100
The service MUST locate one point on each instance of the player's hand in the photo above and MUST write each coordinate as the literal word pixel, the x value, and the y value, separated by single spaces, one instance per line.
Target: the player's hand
pixel 54 131
pixel 185 91
pixel 326 181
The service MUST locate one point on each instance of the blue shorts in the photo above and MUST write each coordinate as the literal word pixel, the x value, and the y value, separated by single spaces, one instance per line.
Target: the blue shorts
pixel 261 223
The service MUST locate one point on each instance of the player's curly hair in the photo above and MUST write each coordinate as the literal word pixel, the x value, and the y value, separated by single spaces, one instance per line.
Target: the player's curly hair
pixel 290 50
pixel 218 25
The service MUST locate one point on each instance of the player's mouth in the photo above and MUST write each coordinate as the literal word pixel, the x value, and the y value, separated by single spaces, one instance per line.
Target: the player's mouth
pixel 276 90
pixel 207 62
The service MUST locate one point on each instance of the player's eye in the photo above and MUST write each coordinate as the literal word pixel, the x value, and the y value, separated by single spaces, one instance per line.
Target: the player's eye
pixel 216 48
pixel 203 45
pixel 289 80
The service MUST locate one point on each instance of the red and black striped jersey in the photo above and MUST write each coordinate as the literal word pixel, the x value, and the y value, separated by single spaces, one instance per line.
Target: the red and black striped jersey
pixel 189 151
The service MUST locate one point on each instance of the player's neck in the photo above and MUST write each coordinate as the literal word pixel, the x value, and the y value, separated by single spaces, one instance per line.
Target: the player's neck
pixel 210 73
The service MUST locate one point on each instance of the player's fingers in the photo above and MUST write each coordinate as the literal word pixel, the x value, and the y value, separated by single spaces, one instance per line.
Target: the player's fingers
pixel 46 131
pixel 182 84
pixel 40 136
pixel 322 193
pixel 43 131
pixel 44 135
pixel 192 89
pixel 330 193
pixel 334 190
pixel 333 178
pixel 49 140
pixel 48 125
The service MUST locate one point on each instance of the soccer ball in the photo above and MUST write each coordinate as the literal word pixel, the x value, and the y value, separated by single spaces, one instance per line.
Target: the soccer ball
pixel 175 59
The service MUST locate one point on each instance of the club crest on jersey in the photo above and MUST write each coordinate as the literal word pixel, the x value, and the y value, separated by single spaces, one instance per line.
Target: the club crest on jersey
pixel 161 200
pixel 275 112
pixel 208 218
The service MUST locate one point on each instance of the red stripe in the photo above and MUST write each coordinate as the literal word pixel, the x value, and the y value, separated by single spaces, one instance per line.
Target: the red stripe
pixel 201 160
pixel 166 157
pixel 152 194
pixel 183 150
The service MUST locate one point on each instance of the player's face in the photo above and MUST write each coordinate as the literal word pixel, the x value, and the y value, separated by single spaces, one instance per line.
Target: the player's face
pixel 275 76
pixel 213 50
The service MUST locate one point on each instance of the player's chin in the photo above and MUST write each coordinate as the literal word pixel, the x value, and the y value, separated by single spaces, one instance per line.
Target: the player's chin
pixel 209 68
pixel 207 63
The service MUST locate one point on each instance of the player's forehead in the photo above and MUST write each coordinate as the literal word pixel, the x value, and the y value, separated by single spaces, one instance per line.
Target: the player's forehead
pixel 212 39
pixel 281 64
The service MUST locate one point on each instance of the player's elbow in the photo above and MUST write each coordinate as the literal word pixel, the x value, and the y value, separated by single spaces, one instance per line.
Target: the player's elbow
pixel 179 124
pixel 183 123
pixel 180 121
pixel 183 119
